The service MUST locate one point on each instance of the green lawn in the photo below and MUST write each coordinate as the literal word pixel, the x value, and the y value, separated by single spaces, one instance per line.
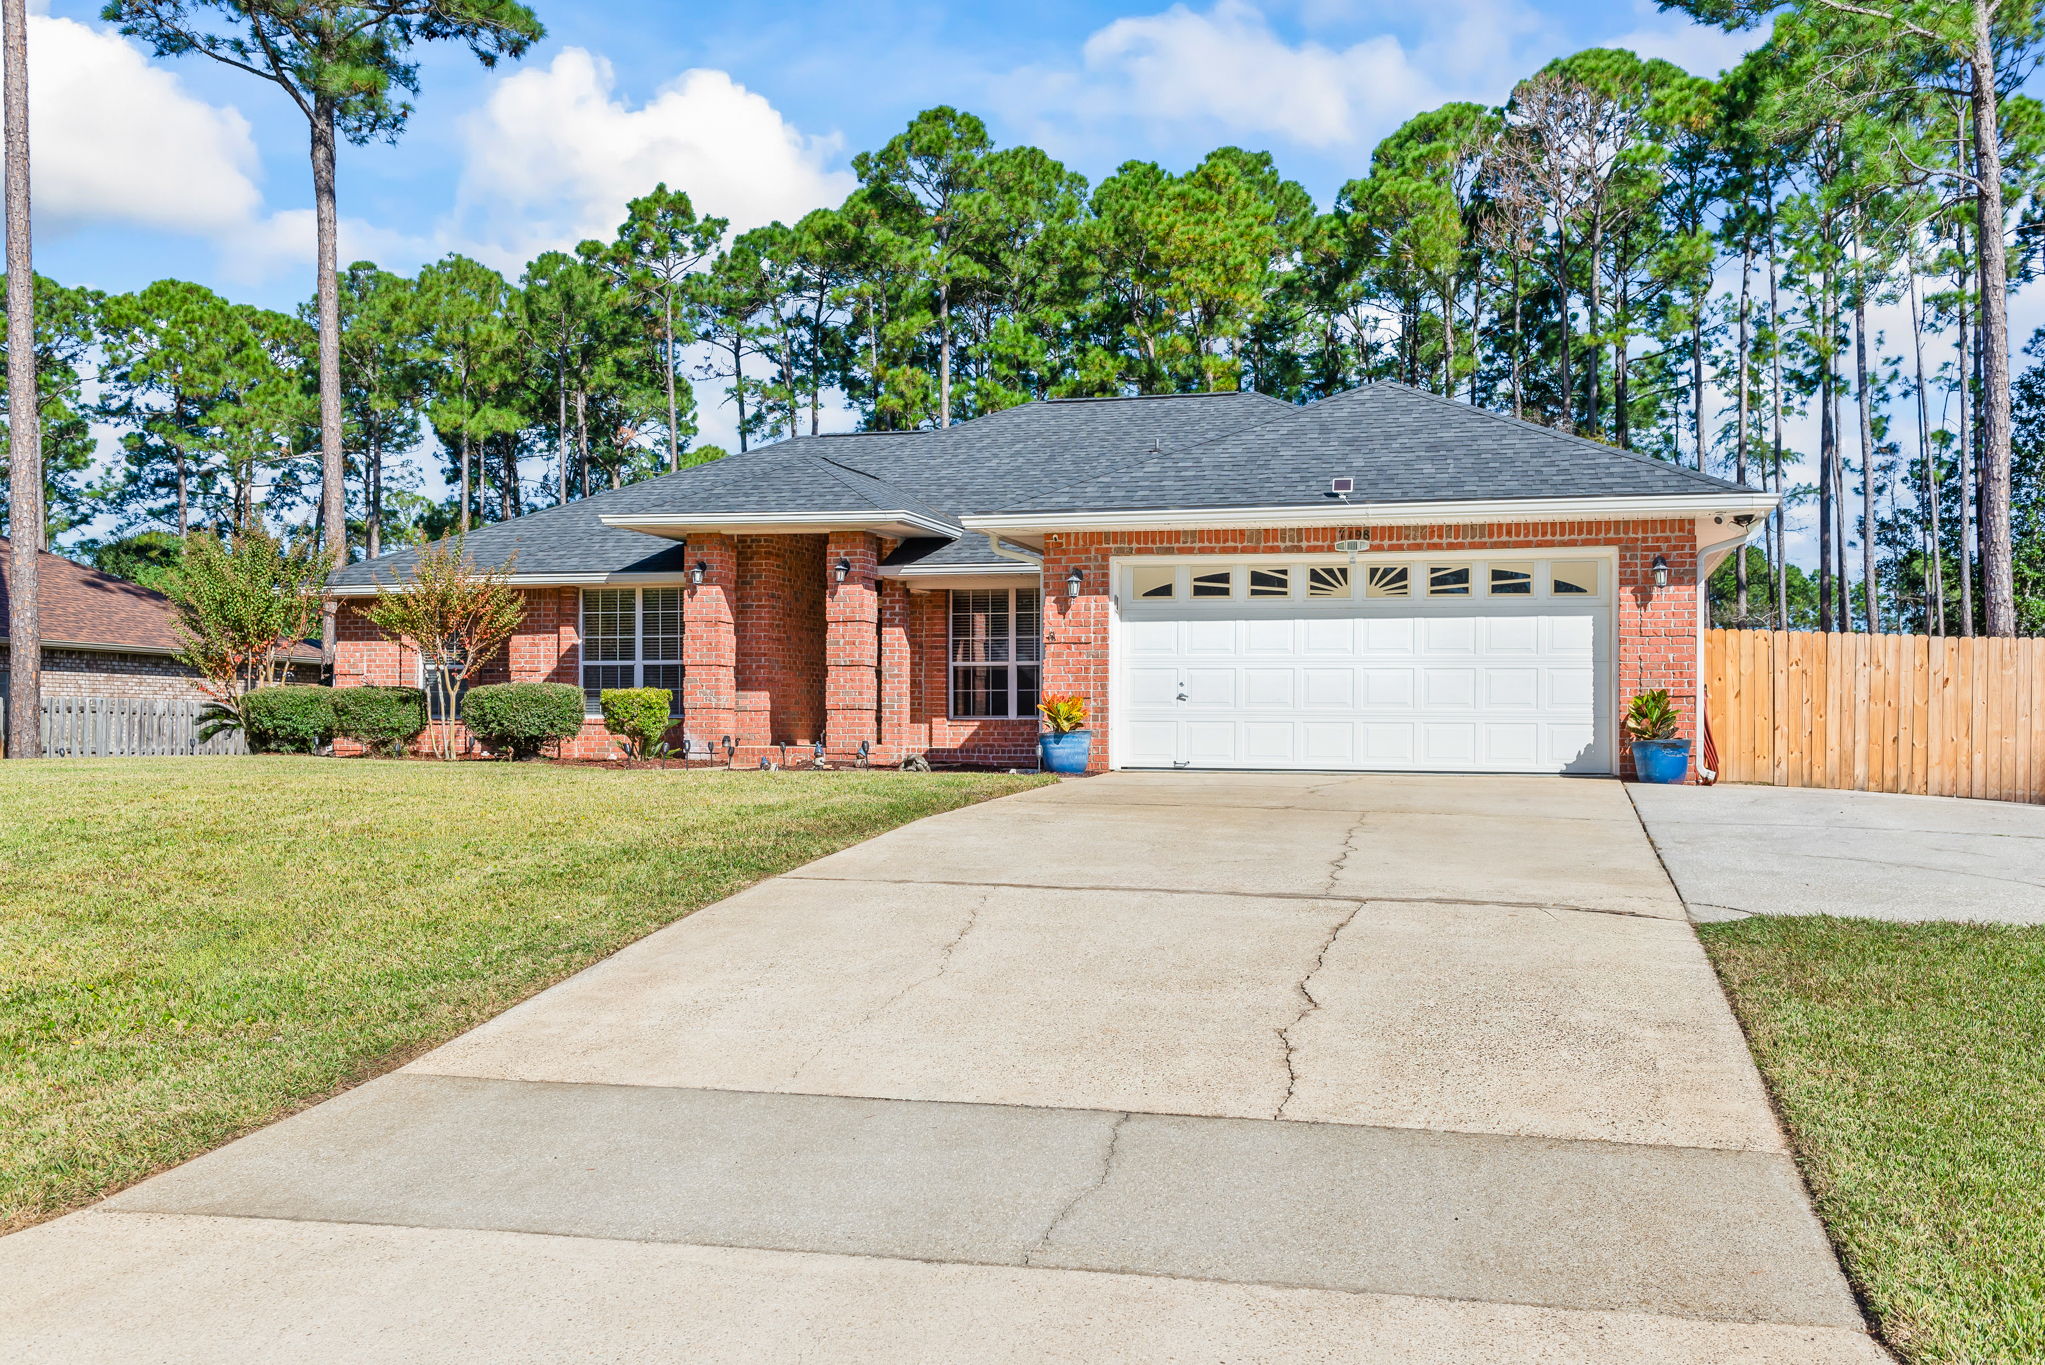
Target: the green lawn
pixel 191 947
pixel 1909 1062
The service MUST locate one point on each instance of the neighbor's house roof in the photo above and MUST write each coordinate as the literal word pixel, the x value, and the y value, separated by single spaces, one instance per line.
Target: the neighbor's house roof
pixel 944 492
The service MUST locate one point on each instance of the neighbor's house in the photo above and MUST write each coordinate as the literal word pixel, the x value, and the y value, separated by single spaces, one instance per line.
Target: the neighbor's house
pixel 1381 580
pixel 102 636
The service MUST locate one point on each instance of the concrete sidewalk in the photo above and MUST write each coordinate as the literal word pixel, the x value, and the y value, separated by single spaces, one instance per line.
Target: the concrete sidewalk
pixel 1170 1067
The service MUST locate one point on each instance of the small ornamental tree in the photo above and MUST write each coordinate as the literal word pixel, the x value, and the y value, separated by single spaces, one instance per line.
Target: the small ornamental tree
pixel 456 615
pixel 241 610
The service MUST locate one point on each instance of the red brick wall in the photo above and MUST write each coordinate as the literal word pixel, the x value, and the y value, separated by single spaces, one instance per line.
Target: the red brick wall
pixel 779 671
pixel 1656 630
pixel 916 635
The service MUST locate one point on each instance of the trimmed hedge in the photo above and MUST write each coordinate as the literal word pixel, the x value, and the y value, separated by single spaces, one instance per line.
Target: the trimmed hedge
pixel 292 719
pixel 637 714
pixel 519 719
pixel 384 719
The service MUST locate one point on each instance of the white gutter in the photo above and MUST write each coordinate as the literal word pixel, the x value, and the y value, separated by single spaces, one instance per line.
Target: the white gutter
pixel 1729 503
pixel 677 526
pixel 672 578
pixel 1006 568
pixel 1017 553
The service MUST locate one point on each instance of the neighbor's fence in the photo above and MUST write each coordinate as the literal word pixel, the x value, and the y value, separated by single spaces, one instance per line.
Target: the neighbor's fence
pixel 90 727
pixel 1887 713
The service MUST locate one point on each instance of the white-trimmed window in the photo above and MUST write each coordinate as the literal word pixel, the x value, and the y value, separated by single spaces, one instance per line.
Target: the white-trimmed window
pixel 1328 580
pixel 1448 580
pixel 1154 581
pixel 1387 580
pixel 631 637
pixel 1574 578
pixel 1270 582
pixel 996 652
pixel 1511 580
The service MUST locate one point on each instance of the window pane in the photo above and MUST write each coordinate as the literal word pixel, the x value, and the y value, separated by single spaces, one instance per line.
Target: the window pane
pixel 1329 580
pixel 1215 583
pixel 1154 582
pixel 1444 580
pixel 597 677
pixel 660 624
pixel 1026 689
pixel 609 627
pixel 668 676
pixel 978 692
pixel 1511 581
pixel 1575 579
pixel 436 704
pixel 980 625
pixel 1270 582
pixel 1388 580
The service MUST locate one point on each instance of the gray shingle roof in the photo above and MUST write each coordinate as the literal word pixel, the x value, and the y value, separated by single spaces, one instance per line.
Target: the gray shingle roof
pixel 1178 450
pixel 1399 443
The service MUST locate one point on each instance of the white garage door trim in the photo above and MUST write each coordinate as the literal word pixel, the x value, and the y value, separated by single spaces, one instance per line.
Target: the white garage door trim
pixel 1460 736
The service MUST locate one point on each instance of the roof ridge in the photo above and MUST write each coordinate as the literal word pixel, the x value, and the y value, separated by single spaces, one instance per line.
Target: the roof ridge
pixel 909 501
pixel 1510 420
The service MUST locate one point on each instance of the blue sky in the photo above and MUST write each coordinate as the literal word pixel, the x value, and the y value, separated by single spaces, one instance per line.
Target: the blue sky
pixel 146 169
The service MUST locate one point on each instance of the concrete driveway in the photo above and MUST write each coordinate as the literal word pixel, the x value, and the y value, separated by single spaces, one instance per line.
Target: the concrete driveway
pixel 1169 1067
pixel 1736 850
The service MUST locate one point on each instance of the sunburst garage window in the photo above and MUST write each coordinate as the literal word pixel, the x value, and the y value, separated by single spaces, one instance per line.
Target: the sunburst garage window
pixel 996 646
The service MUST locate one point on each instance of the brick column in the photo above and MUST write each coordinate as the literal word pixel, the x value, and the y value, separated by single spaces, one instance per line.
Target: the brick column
pixel 1076 630
pixel 900 735
pixel 709 642
pixel 852 644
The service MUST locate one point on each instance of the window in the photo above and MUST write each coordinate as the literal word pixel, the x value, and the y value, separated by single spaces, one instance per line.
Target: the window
pixel 1578 578
pixel 1215 583
pixel 1388 580
pixel 1448 580
pixel 1270 582
pixel 1154 582
pixel 1328 580
pixel 631 637
pixel 996 646
pixel 1512 580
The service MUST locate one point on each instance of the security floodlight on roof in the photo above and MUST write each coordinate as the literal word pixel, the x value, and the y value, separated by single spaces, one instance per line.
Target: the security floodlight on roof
pixel 1341 487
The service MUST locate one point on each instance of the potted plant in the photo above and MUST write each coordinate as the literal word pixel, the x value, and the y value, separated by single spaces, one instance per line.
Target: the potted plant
pixel 1066 742
pixel 1651 724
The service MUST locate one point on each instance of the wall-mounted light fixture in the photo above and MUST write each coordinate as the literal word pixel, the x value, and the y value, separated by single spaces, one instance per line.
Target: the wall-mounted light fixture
pixel 1074 581
pixel 697 573
pixel 840 569
pixel 1661 571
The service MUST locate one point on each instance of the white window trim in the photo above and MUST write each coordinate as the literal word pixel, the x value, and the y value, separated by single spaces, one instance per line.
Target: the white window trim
pixel 637 662
pixel 1014 665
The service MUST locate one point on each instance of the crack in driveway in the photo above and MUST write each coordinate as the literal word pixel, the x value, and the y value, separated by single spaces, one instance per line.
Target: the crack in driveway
pixel 1079 1197
pixel 1308 1004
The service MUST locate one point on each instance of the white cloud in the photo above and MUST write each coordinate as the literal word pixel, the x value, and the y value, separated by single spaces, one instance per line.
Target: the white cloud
pixel 1227 71
pixel 1700 49
pixel 555 152
pixel 115 139
pixel 259 249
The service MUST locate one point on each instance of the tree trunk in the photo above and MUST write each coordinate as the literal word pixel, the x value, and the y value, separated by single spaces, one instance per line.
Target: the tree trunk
pixel 561 433
pixel 507 489
pixel 24 417
pixel 667 354
pixel 944 356
pixel 1740 439
pixel 738 386
pixel 582 439
pixel 1622 389
pixel 1827 441
pixel 1593 414
pixel 465 481
pixel 1963 451
pixel 1519 404
pixel 1935 589
pixel 372 479
pixel 1998 584
pixel 184 495
pixel 1870 589
pixel 333 505
pixel 1775 433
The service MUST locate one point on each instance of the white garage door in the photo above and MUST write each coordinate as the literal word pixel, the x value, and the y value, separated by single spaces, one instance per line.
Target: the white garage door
pixel 1446 664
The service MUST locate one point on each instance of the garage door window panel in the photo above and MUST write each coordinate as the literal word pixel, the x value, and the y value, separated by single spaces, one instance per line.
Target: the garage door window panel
pixel 1271 582
pixel 996 646
pixel 1328 580
pixel 1511 580
pixel 1214 583
pixel 1448 580
pixel 1388 580
pixel 1154 583
pixel 1574 578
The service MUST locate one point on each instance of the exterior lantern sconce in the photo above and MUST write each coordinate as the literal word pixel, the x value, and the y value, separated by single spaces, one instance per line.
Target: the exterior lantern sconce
pixel 840 569
pixel 697 573
pixel 1661 571
pixel 1074 581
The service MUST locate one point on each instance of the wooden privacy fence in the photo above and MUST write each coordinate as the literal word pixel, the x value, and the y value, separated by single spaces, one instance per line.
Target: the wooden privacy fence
pixel 90 727
pixel 1887 713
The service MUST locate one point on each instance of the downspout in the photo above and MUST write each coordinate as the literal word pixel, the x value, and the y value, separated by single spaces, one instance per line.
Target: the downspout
pixel 1021 555
pixel 1709 557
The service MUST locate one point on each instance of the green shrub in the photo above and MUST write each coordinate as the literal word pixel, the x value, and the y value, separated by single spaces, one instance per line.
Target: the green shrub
pixel 385 719
pixel 638 715
pixel 519 718
pixel 293 719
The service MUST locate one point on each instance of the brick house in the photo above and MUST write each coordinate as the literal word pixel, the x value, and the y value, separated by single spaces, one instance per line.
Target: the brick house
pixel 1385 579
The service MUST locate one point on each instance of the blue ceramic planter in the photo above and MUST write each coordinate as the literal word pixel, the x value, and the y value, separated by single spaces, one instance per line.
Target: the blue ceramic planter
pixel 1066 753
pixel 1661 760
